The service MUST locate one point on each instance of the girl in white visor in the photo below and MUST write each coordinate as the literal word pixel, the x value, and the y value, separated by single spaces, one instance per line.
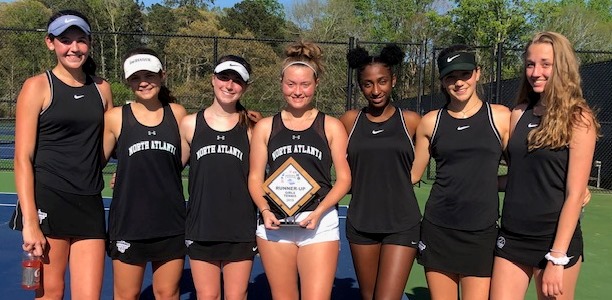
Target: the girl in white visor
pixel 147 214
pixel 221 217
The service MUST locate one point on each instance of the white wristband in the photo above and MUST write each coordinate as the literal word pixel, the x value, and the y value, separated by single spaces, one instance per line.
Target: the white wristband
pixel 558 261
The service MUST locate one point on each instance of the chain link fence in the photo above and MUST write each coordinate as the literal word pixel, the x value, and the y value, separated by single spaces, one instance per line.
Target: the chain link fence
pixel 190 60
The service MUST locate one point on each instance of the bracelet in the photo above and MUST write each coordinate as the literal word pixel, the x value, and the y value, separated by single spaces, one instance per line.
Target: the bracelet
pixel 262 211
pixel 557 251
pixel 558 261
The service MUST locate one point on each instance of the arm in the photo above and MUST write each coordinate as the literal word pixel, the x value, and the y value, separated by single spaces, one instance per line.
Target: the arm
pixel 30 103
pixel 501 119
pixel 105 91
pixel 257 171
pixel 254 116
pixel 112 129
pixel 411 121
pixel 187 129
pixel 422 143
pixel 180 114
pixel 338 141
pixel 581 149
pixel 348 120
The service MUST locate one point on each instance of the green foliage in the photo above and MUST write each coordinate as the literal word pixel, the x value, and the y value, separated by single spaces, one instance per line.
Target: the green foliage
pixel 262 18
pixel 121 93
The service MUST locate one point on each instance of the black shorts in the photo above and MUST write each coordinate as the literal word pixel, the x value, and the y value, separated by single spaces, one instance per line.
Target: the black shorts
pixel 467 253
pixel 221 251
pixel 409 237
pixel 66 215
pixel 149 250
pixel 530 250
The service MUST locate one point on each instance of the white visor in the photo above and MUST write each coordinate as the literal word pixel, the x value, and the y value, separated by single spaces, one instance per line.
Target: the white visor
pixel 141 62
pixel 233 66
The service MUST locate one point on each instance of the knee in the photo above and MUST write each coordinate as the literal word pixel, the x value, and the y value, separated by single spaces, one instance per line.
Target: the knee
pixel 166 293
pixel 51 290
pixel 208 295
pixel 235 295
pixel 126 294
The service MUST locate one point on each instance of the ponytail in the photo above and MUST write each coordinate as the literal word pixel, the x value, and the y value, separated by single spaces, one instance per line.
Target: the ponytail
pixel 165 96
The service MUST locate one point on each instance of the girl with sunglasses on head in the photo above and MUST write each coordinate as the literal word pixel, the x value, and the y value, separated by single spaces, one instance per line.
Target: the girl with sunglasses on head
pixel 58 163
pixel 147 214
pixel 383 219
pixel 466 138
pixel 221 216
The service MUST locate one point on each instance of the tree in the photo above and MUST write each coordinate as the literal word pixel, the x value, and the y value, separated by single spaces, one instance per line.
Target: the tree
pixel 160 19
pixel 24 53
pixel 263 18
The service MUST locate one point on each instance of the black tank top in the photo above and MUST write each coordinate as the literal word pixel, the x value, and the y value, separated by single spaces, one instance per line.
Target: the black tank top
pixel 380 156
pixel 308 147
pixel 220 207
pixel 69 138
pixel 467 151
pixel 148 195
pixel 535 191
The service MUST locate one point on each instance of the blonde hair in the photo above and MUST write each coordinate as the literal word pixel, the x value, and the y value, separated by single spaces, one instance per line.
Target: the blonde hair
pixel 308 54
pixel 562 96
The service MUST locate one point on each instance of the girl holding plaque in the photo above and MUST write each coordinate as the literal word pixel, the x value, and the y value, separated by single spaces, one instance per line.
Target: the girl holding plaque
pixel 147 214
pixel 315 141
pixel 383 219
pixel 221 217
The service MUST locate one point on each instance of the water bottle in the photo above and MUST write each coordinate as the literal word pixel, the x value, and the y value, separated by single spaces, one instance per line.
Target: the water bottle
pixel 30 279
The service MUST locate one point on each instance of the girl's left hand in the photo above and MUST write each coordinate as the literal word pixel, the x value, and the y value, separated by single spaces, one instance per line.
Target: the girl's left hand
pixel 311 221
pixel 552 280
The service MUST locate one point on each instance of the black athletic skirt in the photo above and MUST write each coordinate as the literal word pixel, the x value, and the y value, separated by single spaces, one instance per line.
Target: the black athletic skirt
pixel 66 215
pixel 467 253
pixel 222 251
pixel 149 250
pixel 530 250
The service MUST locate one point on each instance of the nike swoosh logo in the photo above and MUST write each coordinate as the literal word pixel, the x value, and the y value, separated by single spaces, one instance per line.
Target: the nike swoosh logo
pixel 69 20
pixel 413 243
pixel 532 125
pixel 377 131
pixel 449 59
pixel 254 248
pixel 463 127
pixel 77 97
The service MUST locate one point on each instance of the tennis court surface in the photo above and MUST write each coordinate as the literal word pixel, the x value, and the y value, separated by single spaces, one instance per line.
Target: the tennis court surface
pixel 345 284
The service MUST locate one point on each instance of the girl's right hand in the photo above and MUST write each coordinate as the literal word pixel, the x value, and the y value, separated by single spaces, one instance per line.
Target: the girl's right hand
pixel 33 240
pixel 270 220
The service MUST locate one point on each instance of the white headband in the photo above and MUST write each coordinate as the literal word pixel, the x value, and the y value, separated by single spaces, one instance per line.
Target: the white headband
pixel 299 63
pixel 233 66
pixel 141 62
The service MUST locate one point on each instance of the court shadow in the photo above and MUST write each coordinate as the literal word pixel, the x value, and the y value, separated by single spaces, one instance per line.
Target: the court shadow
pixel 187 289
pixel 419 293
pixel 259 289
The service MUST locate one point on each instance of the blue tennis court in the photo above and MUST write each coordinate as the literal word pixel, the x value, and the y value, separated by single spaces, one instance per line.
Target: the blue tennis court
pixel 345 285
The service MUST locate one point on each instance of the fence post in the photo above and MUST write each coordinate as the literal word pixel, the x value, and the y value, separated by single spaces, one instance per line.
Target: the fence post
pixel 498 72
pixel 215 50
pixel 349 78
pixel 422 50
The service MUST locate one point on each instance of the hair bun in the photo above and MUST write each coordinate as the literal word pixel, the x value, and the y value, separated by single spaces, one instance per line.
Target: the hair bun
pixel 392 54
pixel 358 57
pixel 303 49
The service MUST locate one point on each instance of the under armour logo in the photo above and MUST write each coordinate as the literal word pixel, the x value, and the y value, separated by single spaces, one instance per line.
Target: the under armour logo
pixel 152 132
pixel 295 137
pixel 220 137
